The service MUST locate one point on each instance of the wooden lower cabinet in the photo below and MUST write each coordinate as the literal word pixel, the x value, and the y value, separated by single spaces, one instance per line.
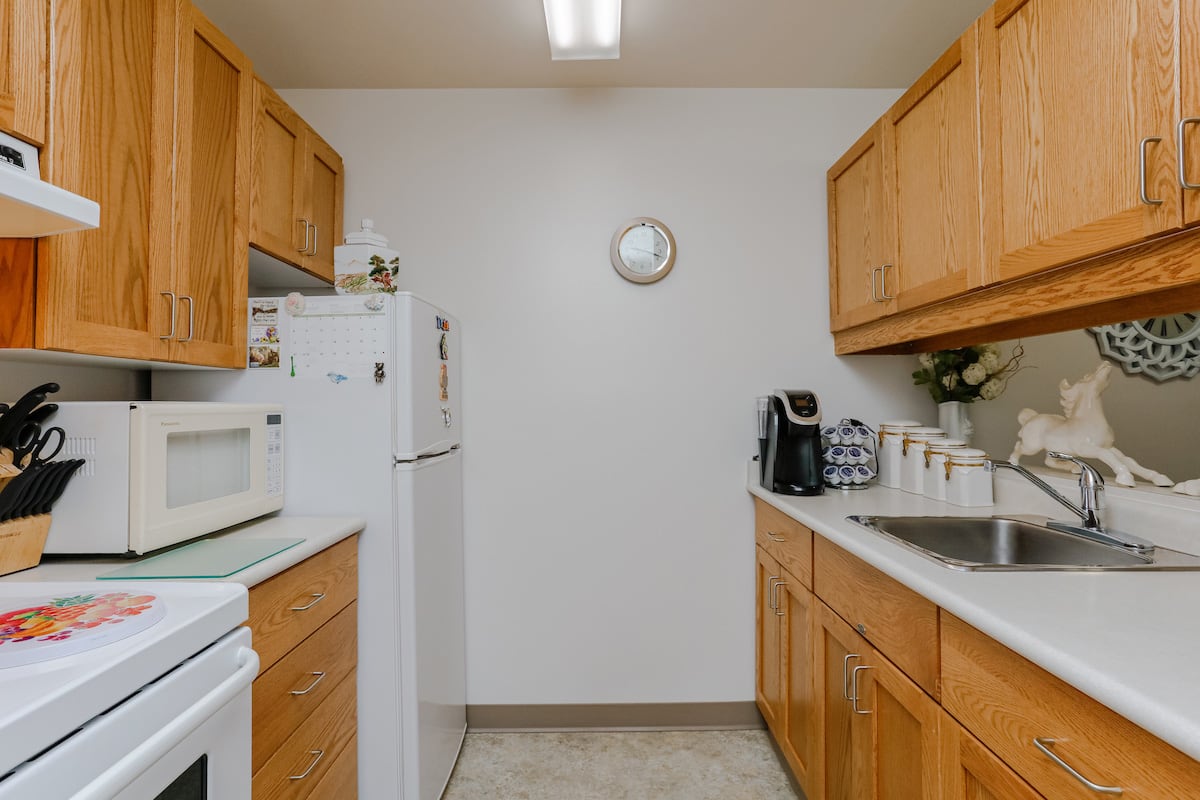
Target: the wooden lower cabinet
pixel 768 688
pixel 880 730
pixel 972 772
pixel 305 627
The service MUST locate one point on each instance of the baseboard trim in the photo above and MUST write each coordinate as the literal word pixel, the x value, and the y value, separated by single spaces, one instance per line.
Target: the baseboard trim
pixel 614 717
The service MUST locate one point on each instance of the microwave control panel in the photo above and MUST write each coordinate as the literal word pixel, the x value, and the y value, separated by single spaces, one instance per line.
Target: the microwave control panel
pixel 274 455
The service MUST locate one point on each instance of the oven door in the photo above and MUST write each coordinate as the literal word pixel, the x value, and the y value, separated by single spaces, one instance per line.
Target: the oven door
pixel 184 737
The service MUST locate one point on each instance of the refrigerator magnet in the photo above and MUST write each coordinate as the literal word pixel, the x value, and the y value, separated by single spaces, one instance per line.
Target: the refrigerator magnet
pixel 444 349
pixel 444 383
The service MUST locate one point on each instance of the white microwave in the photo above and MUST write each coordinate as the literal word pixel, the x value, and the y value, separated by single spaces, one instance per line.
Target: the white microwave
pixel 156 474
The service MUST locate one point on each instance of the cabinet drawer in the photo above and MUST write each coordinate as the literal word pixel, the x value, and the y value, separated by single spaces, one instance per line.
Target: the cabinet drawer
pixel 1007 702
pixel 309 754
pixel 341 782
pixel 286 609
pixel 898 621
pixel 785 540
pixel 313 669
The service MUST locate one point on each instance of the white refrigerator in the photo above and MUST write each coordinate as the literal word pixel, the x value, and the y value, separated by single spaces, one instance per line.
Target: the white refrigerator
pixel 370 389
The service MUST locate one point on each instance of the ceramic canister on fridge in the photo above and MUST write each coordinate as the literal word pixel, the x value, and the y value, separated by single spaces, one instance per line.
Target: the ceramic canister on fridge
pixel 968 483
pixel 912 468
pixel 891 450
pixel 936 452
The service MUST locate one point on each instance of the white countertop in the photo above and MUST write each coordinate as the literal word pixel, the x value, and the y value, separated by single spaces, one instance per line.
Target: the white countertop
pixel 1131 640
pixel 318 533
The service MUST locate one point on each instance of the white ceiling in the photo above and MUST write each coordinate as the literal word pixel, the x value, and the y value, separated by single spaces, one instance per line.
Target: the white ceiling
pixel 669 43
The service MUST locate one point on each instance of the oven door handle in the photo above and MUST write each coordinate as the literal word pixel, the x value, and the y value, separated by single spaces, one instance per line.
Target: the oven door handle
pixel 144 756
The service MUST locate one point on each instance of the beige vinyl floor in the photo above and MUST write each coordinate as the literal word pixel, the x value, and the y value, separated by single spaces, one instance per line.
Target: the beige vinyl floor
pixel 643 765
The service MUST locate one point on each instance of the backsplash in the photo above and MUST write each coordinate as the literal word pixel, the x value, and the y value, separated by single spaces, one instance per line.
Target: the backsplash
pixel 1155 423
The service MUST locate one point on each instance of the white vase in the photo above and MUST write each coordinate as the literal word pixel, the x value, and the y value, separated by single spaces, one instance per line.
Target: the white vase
pixel 954 420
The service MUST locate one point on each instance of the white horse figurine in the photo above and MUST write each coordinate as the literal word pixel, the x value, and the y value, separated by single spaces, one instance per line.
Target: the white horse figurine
pixel 1083 432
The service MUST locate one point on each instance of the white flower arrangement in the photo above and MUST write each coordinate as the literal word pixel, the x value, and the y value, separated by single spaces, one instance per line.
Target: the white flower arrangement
pixel 967 374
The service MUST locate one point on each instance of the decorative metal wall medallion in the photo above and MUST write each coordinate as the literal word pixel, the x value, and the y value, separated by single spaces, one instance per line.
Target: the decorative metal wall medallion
pixel 1160 347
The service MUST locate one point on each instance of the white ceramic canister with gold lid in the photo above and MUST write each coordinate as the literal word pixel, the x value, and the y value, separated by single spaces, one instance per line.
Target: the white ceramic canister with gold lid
pixel 968 483
pixel 936 452
pixel 912 468
pixel 891 450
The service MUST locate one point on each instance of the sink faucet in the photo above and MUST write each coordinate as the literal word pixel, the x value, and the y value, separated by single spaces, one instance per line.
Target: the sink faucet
pixel 1090 507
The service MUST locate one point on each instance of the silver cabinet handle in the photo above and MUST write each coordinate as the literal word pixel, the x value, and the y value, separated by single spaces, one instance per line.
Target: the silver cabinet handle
pixel 170 333
pixel 1142 171
pixel 778 611
pixel 319 755
pixel 771 591
pixel 319 597
pixel 307 225
pixel 315 231
pixel 1183 123
pixel 875 298
pixel 854 691
pixel 1043 743
pixel 311 686
pixel 774 538
pixel 846 674
pixel 883 282
pixel 191 317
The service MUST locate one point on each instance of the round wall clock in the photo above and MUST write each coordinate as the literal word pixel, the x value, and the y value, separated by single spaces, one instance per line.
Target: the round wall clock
pixel 1160 348
pixel 643 250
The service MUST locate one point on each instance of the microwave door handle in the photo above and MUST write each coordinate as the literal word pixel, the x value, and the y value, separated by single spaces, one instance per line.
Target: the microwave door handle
pixel 142 757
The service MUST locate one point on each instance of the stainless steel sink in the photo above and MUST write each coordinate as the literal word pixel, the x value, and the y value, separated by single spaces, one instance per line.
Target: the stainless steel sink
pixel 1015 543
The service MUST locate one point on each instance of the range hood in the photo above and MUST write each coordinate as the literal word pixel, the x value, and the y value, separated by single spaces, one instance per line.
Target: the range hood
pixel 30 207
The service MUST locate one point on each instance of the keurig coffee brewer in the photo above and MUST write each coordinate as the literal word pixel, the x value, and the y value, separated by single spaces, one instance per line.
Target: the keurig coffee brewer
pixel 792 462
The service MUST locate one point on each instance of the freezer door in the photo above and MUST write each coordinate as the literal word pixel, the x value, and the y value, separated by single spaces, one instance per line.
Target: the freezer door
pixel 433 625
pixel 428 356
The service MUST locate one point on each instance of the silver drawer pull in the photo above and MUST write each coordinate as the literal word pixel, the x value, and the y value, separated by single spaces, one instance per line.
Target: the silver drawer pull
pixel 319 755
pixel 319 597
pixel 775 538
pixel 1043 744
pixel 311 686
pixel 854 691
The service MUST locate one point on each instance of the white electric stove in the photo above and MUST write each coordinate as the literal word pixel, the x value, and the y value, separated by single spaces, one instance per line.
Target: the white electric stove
pixel 125 691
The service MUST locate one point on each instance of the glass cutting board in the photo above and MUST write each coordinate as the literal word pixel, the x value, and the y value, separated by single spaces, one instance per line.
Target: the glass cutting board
pixel 208 558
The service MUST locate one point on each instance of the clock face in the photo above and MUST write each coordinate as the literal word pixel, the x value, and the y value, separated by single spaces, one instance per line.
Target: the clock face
pixel 643 250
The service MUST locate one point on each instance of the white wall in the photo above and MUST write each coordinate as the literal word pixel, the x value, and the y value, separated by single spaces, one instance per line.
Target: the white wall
pixel 609 548
pixel 76 382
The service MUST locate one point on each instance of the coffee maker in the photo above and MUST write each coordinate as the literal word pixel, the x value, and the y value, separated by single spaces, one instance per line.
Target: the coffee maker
pixel 791 454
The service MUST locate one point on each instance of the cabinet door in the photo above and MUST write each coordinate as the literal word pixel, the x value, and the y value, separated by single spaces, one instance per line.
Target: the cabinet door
pixel 799 743
pixel 860 233
pixel 845 737
pixel 212 195
pixel 972 772
pixel 905 724
pixel 278 183
pixel 24 48
pixel 769 680
pixel 323 169
pixel 113 72
pixel 936 182
pixel 1071 95
pixel 1189 128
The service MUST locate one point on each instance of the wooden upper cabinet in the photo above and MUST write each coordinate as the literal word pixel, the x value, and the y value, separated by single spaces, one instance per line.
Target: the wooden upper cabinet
pixel 934 178
pixel 278 176
pixel 1188 130
pixel 1075 98
pixel 212 195
pixel 296 199
pixel 861 248
pixel 24 50
pixel 323 168
pixel 100 291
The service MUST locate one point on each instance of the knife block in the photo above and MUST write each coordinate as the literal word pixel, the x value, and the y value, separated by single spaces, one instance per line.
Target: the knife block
pixel 22 541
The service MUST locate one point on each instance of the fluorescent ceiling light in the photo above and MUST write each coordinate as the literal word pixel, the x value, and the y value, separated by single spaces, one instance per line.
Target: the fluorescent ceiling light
pixel 583 29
